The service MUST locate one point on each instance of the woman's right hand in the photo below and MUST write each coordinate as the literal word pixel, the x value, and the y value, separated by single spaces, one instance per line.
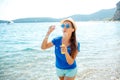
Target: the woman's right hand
pixel 51 29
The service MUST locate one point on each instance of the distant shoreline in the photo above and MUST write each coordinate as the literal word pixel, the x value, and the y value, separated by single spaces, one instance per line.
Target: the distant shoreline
pixel 102 15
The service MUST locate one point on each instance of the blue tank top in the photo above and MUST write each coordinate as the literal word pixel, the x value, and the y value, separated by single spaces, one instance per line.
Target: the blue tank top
pixel 60 58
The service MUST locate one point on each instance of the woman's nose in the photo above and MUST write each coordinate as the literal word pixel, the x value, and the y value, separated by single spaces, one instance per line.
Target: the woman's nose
pixel 65 28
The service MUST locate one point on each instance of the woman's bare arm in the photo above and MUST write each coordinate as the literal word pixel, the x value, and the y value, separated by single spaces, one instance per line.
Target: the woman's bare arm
pixel 45 43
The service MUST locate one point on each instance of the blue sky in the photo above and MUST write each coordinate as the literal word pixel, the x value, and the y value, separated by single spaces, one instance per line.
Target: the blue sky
pixel 13 9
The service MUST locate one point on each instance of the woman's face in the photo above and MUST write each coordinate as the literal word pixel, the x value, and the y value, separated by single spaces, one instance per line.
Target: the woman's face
pixel 67 27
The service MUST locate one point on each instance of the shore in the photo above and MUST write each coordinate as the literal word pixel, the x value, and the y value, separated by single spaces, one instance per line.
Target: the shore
pixel 99 74
pixel 104 69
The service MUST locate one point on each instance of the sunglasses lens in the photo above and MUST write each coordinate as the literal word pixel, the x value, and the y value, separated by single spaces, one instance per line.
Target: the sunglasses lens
pixel 62 25
pixel 67 25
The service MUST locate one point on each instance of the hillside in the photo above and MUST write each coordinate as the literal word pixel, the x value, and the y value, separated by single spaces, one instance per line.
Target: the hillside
pixel 4 21
pixel 105 14
pixel 116 16
pixel 101 15
pixel 41 19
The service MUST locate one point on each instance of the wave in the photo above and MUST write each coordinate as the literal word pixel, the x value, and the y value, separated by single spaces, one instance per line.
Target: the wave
pixel 30 49
pixel 36 50
pixel 22 50
pixel 14 42
pixel 27 49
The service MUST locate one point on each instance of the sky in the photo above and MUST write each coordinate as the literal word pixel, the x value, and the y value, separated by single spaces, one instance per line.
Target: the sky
pixel 14 9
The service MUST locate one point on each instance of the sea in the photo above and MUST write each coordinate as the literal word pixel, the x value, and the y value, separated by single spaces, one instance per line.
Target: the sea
pixel 21 56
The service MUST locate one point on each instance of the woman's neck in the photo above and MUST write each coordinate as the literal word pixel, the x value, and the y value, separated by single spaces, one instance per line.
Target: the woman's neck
pixel 66 41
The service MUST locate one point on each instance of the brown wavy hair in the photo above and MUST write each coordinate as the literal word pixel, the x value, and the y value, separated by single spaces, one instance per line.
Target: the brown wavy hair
pixel 73 42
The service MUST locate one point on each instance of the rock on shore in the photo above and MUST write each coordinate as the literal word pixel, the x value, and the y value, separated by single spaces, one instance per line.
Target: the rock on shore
pixel 117 13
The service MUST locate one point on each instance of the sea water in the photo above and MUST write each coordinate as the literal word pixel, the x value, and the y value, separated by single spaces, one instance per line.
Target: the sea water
pixel 21 57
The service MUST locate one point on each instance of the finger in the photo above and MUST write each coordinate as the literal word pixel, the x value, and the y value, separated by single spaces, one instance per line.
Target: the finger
pixel 63 49
pixel 62 46
pixel 53 27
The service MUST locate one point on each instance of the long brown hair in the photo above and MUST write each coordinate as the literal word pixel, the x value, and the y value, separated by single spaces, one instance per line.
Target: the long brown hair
pixel 73 43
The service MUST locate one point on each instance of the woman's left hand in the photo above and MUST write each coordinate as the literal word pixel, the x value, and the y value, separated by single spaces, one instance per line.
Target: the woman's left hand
pixel 63 49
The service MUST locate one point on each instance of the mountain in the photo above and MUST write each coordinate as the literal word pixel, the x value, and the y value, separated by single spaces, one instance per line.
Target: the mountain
pixel 41 19
pixel 4 21
pixel 116 16
pixel 104 14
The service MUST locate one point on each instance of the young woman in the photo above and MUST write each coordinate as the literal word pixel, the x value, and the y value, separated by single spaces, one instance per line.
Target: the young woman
pixel 66 49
